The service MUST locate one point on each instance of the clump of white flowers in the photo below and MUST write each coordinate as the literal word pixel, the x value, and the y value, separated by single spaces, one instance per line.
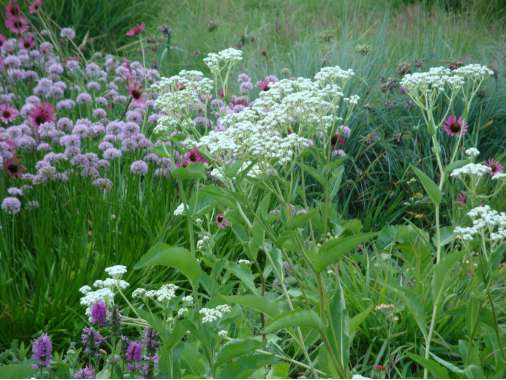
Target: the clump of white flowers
pixel 166 292
pixel 471 169
pixel 485 220
pixel 214 314
pixel 472 152
pixel 223 59
pixel 179 210
pixel 105 289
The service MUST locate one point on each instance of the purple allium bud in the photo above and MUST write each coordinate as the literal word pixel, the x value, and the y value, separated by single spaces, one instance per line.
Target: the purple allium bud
pixel 85 373
pixel 42 349
pixel 245 87
pixel 139 167
pixel 243 77
pixel 11 205
pixel 99 313
pixel 134 356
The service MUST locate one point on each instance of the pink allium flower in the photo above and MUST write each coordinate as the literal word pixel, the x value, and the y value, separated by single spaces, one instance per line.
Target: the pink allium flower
pixel 12 9
pixel 495 167
pixel 35 6
pixel 7 113
pixel 17 25
pixel 41 113
pixel 221 221
pixel 454 126
pixel 462 199
pixel 136 30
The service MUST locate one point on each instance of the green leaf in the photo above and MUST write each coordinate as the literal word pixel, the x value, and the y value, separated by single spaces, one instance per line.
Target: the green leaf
pixel 335 249
pixel 339 330
pixel 442 274
pixel 16 371
pixel 104 374
pixel 429 186
pixel 256 240
pixel 446 364
pixel 296 318
pixel 237 347
pixel 255 302
pixel 335 181
pixel 434 368
pixel 191 172
pixel 244 274
pixel 279 371
pixel 413 302
pixel 358 319
pixel 244 366
pixel 171 256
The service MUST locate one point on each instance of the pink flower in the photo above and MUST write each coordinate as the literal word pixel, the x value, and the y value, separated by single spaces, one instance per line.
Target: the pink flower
pixel 13 167
pixel 35 6
pixel 495 166
pixel 27 41
pixel 40 114
pixel 221 222
pixel 17 24
pixel 192 156
pixel 7 113
pixel 12 9
pixel 265 83
pixel 462 199
pixel 454 126
pixel 2 40
pixel 136 30
pixel 135 90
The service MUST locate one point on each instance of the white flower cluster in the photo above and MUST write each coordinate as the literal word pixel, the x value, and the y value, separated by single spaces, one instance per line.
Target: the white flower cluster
pixel 178 97
pixel 485 219
pixel 264 131
pixel 472 152
pixel 439 79
pixel 105 288
pixel 214 314
pixel 217 61
pixel 167 292
pixel 471 170
pixel 179 210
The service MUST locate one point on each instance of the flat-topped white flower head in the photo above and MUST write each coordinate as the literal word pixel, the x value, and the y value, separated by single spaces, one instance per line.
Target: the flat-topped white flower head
pixel 116 271
pixel 472 152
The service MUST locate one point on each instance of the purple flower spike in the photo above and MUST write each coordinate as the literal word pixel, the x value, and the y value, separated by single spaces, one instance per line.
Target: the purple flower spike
pixel 85 373
pixel 134 356
pixel 99 313
pixel 42 352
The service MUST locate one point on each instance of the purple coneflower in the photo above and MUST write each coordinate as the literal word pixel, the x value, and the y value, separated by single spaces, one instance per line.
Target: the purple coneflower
pixel 13 167
pixel 12 9
pixel 7 113
pixel 137 29
pixel 221 221
pixel 454 126
pixel 42 352
pixel 462 199
pixel 40 114
pixel 27 41
pixel 135 90
pixel 192 156
pixel 495 166
pixel 35 6
pixel 17 24
pixel 98 314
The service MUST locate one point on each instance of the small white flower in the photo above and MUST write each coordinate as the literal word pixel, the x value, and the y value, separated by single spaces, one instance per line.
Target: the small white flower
pixel 179 210
pixel 244 261
pixel 187 300
pixel 116 270
pixel 85 289
pixel 472 152
pixel 139 293
pixel 223 333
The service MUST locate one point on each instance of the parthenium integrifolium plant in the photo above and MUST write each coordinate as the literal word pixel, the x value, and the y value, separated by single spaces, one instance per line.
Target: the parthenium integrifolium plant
pixel 438 93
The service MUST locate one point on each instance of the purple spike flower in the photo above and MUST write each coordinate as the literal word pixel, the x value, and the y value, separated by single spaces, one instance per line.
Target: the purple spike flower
pixel 42 352
pixel 85 373
pixel 134 356
pixel 98 313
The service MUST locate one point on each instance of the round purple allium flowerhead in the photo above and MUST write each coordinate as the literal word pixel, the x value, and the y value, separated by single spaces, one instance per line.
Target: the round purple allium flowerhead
pixel 112 153
pixel 454 126
pixel 42 349
pixel 139 167
pixel 98 315
pixel 11 205
pixel 68 33
pixel 83 98
pixel 103 183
